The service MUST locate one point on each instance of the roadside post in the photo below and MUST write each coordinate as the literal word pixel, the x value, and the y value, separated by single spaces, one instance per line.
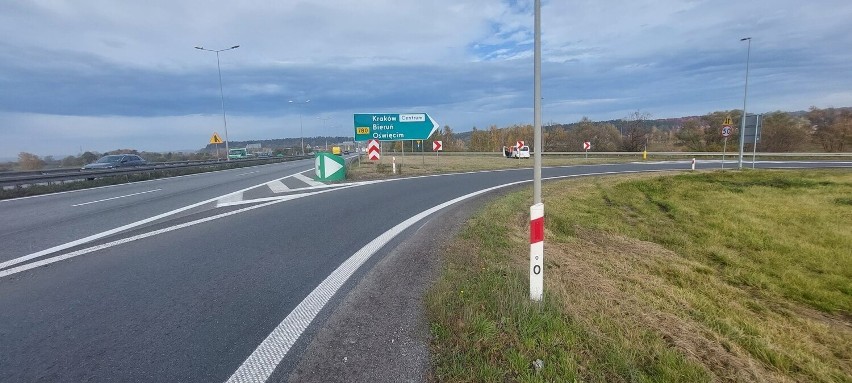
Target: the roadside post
pixel 216 140
pixel 437 146
pixel 693 163
pixel 537 209
pixel 726 132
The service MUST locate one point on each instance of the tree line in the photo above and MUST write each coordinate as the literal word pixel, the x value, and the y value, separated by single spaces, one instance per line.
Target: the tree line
pixel 828 130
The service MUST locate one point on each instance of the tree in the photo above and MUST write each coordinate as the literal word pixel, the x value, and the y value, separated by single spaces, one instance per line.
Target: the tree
pixel 691 135
pixel 29 161
pixel 636 132
pixel 781 132
pixel 832 128
pixel 479 141
pixel 89 157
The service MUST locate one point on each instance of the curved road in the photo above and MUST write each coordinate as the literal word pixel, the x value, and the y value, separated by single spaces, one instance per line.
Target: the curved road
pixel 205 278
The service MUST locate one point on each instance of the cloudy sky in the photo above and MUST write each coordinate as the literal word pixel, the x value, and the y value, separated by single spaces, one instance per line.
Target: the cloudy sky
pixel 106 74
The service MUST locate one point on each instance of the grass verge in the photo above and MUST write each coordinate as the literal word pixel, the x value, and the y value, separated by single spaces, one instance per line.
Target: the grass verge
pixel 719 276
pixel 422 164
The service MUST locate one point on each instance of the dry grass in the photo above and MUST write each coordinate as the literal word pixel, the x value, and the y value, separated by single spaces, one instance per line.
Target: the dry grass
pixel 633 294
pixel 417 164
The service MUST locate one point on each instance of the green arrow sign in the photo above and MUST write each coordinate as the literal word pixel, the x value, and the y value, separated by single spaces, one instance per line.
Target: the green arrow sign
pixel 394 126
pixel 329 167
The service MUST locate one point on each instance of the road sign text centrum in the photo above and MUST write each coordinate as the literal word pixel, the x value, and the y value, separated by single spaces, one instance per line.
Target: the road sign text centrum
pixel 393 127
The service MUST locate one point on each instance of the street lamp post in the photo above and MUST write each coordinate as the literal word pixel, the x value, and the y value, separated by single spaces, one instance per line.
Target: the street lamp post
pixel 745 97
pixel 221 92
pixel 301 135
pixel 324 133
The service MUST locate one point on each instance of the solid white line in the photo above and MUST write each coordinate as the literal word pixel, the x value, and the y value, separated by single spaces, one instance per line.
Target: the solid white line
pixel 47 261
pixel 135 183
pixel 109 199
pixel 122 241
pixel 258 367
pixel 307 180
pixel 119 229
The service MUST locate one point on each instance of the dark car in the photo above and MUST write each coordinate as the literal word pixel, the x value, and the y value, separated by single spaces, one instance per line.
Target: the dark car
pixel 117 161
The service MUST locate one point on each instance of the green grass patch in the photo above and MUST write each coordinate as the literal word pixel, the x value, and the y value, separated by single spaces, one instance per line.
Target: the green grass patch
pixel 719 276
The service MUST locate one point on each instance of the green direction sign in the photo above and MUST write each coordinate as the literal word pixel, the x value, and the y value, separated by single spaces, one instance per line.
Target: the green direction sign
pixel 329 167
pixel 394 126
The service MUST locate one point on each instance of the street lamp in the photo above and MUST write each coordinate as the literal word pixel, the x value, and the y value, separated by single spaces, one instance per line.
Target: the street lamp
pixel 221 92
pixel 301 136
pixel 323 130
pixel 745 97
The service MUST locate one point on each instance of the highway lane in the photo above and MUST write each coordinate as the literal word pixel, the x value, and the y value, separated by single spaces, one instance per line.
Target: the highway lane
pixel 194 303
pixel 37 223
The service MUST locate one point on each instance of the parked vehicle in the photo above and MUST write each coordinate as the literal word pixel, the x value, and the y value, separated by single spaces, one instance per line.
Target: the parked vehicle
pixel 117 161
pixel 519 150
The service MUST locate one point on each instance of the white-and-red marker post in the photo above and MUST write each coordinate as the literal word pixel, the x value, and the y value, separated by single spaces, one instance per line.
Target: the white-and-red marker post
pixel 536 251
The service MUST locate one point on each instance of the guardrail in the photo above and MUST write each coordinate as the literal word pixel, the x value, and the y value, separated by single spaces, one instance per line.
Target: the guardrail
pixel 20 179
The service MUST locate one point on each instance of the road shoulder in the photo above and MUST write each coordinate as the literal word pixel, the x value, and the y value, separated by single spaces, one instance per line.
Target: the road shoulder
pixel 379 332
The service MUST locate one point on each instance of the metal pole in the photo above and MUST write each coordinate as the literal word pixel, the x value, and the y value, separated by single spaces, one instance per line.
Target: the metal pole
pixel 745 97
pixel 537 209
pixel 222 93
pixel 537 106
pixel 301 136
pixel 754 144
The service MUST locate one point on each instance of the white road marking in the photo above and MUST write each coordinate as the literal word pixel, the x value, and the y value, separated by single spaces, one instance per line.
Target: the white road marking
pixel 258 367
pixel 29 266
pixel 138 182
pixel 307 180
pixel 245 174
pixel 119 229
pixel 228 198
pixel 110 199
pixel 277 186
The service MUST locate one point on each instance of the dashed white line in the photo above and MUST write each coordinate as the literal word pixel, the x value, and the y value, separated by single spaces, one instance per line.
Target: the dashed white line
pixel 110 199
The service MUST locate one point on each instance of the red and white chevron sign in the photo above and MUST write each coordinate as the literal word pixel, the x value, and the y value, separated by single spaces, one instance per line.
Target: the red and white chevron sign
pixel 437 146
pixel 373 150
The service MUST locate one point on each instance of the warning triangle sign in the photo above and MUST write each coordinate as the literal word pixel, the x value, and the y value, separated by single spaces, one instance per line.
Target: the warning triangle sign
pixel 215 139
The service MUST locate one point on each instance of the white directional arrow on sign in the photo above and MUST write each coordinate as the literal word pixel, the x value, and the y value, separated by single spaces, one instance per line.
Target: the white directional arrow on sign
pixel 330 167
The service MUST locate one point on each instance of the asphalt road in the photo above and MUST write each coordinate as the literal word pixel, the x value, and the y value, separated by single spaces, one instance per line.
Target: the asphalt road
pixel 244 286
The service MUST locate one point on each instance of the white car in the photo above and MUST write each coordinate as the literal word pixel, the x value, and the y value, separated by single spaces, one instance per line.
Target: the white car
pixel 522 152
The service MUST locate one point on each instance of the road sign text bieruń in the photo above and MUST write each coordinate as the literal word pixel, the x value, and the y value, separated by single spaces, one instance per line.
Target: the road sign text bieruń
pixel 394 127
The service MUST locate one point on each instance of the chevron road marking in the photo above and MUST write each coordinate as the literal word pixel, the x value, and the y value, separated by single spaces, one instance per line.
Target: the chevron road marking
pixel 277 186
pixel 307 180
